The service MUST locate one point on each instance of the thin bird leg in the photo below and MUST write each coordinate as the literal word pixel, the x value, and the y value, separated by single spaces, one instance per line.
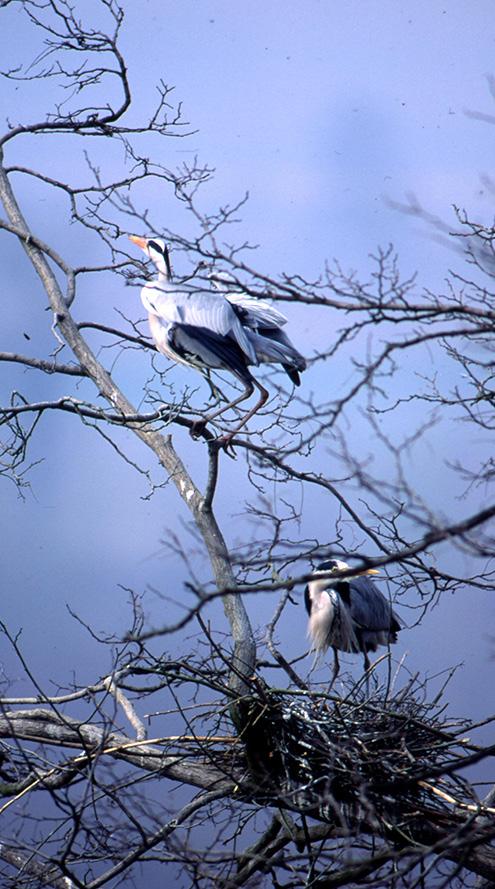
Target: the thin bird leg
pixel 367 668
pixel 216 392
pixel 248 391
pixel 225 439
pixel 199 425
pixel 336 668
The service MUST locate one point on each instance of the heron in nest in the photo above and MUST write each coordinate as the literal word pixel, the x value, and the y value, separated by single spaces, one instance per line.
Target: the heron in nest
pixel 348 613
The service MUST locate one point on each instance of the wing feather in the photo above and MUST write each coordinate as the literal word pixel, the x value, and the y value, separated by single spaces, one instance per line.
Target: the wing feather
pixel 208 311
pixel 198 345
pixel 257 312
pixel 369 608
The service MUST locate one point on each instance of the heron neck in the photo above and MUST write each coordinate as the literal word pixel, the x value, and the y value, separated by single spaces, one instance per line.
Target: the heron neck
pixel 162 282
pixel 163 275
pixel 319 585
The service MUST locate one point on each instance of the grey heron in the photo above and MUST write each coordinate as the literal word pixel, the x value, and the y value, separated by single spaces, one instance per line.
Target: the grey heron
pixel 349 613
pixel 211 330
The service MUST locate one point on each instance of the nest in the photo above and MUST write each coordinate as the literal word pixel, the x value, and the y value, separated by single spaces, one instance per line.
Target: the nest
pixel 351 759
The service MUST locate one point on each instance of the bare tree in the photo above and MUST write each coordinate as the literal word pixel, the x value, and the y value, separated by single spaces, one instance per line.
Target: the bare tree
pixel 276 784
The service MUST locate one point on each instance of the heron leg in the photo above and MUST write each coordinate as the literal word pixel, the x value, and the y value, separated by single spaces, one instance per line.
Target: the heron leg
pixel 264 396
pixel 367 668
pixel 216 392
pixel 198 425
pixel 336 668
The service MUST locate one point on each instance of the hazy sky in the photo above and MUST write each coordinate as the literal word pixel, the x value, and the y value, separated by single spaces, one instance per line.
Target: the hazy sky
pixel 322 111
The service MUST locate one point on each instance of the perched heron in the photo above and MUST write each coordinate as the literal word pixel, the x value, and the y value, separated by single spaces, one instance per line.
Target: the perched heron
pixel 211 330
pixel 349 614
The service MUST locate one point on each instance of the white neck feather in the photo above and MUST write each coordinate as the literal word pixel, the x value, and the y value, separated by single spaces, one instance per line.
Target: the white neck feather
pixel 161 267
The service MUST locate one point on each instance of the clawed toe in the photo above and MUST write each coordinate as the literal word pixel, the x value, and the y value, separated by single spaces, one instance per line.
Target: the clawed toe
pixel 225 443
pixel 197 428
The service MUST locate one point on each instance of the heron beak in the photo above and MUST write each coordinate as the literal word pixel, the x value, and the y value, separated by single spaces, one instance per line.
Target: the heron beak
pixel 141 242
pixel 367 571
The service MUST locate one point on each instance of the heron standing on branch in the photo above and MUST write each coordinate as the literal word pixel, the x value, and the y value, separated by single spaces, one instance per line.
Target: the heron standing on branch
pixel 349 613
pixel 215 331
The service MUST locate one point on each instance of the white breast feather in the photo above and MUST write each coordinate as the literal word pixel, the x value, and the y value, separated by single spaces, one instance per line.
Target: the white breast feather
pixel 329 622
pixel 159 331
pixel 321 618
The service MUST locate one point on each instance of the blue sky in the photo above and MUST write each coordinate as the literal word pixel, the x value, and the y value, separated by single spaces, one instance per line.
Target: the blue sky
pixel 327 108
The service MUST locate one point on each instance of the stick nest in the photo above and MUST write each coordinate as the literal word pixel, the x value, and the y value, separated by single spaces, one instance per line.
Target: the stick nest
pixel 353 758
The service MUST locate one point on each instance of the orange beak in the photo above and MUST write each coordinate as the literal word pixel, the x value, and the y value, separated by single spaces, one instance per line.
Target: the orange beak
pixel 367 571
pixel 141 242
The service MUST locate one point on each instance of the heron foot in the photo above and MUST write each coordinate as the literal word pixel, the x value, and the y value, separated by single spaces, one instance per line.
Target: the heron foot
pixel 225 443
pixel 197 428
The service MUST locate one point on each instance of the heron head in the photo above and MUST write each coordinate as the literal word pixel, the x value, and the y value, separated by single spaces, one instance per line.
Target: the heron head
pixel 333 565
pixel 156 250
pixel 338 565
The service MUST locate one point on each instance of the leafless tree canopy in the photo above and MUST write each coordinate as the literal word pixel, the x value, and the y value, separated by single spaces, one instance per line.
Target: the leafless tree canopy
pixel 277 783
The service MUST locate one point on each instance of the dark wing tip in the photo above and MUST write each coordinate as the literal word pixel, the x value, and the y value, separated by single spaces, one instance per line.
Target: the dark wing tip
pixel 395 625
pixel 292 373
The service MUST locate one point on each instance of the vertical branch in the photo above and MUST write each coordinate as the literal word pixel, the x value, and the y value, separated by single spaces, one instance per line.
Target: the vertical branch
pixel 244 647
pixel 212 476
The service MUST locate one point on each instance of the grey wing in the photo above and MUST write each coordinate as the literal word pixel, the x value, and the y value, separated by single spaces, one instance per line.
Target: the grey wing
pixel 210 311
pixel 256 313
pixel 205 348
pixel 264 328
pixel 214 312
pixel 276 347
pixel 369 608
pixel 223 280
